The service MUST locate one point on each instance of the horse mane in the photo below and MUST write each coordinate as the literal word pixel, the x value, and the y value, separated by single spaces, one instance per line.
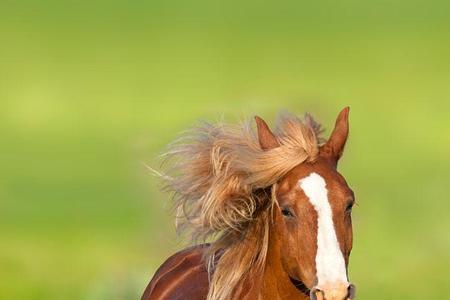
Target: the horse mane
pixel 221 182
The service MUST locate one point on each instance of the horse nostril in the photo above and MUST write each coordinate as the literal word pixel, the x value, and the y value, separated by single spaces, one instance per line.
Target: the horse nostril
pixel 351 291
pixel 333 292
pixel 313 294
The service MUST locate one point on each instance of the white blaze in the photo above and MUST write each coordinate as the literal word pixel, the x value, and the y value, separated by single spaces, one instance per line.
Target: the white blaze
pixel 330 262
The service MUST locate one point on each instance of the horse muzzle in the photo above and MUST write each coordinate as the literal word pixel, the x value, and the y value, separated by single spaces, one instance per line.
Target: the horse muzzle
pixel 342 291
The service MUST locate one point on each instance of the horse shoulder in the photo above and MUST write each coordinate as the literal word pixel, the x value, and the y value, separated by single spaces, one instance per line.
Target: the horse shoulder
pixel 181 276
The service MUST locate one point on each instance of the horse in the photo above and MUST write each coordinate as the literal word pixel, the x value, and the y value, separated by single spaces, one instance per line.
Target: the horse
pixel 274 208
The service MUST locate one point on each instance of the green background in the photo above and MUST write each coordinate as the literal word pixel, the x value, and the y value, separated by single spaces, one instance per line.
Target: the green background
pixel 90 91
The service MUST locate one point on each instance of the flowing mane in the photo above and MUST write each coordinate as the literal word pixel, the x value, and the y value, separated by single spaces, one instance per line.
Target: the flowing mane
pixel 222 183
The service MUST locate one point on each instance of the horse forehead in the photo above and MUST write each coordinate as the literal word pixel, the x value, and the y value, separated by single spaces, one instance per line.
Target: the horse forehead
pixel 314 186
pixel 330 180
pixel 325 170
pixel 319 192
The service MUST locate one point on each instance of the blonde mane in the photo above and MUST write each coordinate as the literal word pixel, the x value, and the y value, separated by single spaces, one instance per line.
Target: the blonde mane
pixel 221 181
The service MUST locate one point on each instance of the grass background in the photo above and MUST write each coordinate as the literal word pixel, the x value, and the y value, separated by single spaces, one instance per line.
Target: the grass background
pixel 89 90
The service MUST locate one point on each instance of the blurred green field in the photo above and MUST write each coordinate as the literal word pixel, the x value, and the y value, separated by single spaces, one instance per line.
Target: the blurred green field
pixel 90 91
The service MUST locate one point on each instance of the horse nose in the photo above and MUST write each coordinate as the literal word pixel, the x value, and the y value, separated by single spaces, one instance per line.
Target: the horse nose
pixel 342 291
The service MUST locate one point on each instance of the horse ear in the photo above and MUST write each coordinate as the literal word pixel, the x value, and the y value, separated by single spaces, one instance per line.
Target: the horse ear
pixel 334 147
pixel 266 138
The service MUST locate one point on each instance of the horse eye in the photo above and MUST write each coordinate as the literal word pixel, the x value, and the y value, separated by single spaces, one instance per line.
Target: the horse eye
pixel 349 208
pixel 286 212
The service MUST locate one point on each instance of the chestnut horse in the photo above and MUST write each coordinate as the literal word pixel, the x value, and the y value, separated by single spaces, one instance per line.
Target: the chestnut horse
pixel 273 205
